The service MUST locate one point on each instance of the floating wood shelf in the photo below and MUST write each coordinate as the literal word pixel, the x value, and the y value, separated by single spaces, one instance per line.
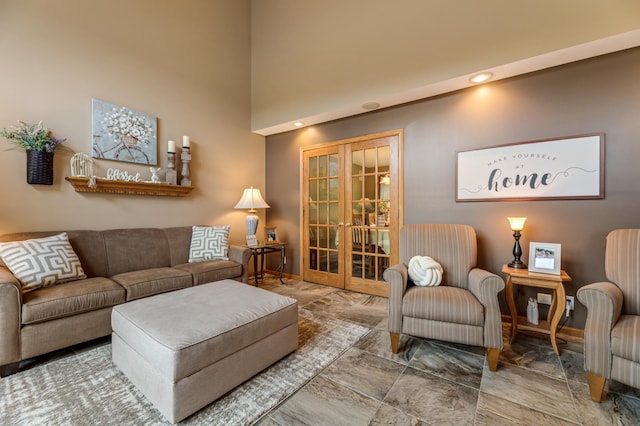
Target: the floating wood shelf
pixel 81 184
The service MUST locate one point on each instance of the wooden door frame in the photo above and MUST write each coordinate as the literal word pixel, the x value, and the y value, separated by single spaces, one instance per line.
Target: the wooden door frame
pixel 399 133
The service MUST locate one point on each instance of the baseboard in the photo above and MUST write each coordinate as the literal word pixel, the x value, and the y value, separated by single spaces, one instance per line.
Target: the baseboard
pixel 284 274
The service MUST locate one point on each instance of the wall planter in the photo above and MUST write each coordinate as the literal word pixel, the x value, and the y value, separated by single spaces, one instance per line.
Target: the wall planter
pixel 39 167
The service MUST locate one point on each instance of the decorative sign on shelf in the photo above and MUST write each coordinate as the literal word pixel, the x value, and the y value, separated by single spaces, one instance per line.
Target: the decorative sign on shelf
pixel 560 168
pixel 117 174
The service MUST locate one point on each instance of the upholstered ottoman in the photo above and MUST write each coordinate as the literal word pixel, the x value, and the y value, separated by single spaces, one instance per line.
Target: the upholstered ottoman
pixel 186 348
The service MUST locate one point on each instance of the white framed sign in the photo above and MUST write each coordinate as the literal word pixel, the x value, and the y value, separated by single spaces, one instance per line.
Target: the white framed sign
pixel 560 168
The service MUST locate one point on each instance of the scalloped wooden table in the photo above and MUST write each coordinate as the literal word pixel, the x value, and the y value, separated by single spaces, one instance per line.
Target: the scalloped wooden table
pixel 534 279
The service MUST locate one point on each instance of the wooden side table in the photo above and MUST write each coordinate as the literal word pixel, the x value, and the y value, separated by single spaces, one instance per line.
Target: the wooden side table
pixel 534 279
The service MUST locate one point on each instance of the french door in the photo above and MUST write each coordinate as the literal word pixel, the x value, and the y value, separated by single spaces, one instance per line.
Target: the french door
pixel 352 211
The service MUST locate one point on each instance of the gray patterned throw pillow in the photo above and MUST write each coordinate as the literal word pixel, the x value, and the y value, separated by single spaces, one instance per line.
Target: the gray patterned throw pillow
pixel 42 262
pixel 209 243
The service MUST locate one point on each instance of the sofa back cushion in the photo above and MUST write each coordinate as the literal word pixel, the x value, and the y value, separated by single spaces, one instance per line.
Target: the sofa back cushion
pixel 451 245
pixel 179 239
pixel 135 249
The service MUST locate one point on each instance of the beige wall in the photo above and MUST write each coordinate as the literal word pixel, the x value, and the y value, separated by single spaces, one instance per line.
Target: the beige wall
pixel 597 95
pixel 188 63
pixel 312 57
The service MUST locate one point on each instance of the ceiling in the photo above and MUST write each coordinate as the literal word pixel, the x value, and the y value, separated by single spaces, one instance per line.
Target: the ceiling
pixel 319 61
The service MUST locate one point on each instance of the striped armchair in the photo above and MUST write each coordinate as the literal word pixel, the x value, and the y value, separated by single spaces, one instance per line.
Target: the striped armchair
pixel 612 330
pixel 463 309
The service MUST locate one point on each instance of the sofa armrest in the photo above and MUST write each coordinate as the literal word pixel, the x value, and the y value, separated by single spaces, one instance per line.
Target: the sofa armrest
pixel 485 286
pixel 397 277
pixel 10 317
pixel 241 255
pixel 604 304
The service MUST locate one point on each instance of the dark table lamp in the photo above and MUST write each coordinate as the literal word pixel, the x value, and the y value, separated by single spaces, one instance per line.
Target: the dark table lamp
pixel 517 224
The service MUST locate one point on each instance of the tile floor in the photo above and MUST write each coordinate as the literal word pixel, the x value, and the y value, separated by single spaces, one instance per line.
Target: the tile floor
pixel 437 383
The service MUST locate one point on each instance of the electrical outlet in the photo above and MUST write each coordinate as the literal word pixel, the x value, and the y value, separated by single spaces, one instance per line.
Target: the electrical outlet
pixel 284 260
pixel 571 302
pixel 544 298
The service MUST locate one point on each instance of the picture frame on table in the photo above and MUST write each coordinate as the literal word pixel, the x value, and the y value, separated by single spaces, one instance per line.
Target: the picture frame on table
pixel 252 241
pixel 544 258
pixel 271 235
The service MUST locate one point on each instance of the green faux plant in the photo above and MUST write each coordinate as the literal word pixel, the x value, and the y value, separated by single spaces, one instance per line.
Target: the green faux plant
pixel 32 137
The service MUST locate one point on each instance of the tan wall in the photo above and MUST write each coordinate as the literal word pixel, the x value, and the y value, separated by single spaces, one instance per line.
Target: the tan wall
pixel 311 57
pixel 596 95
pixel 188 63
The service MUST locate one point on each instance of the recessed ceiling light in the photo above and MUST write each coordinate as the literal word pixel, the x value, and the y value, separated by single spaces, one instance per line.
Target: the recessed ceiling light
pixel 481 78
pixel 370 105
pixel 298 124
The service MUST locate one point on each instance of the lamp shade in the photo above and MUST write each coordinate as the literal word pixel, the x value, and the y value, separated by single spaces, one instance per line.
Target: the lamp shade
pixel 517 223
pixel 252 200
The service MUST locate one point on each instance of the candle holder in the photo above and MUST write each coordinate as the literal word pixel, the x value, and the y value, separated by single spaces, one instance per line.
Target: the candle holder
pixel 171 176
pixel 185 157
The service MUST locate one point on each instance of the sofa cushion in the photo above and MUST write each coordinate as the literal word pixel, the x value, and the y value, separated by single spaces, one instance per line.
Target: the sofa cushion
pixel 152 281
pixel 70 298
pixel 443 303
pixel 209 243
pixel 213 270
pixel 625 338
pixel 42 262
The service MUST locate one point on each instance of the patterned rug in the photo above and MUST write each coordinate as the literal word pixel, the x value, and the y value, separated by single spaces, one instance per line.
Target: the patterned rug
pixel 87 389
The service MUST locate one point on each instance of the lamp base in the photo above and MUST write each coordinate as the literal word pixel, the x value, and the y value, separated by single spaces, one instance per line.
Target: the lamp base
pixel 517 264
pixel 252 223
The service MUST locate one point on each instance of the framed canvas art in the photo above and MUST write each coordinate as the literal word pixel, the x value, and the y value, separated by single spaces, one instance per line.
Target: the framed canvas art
pixel 123 134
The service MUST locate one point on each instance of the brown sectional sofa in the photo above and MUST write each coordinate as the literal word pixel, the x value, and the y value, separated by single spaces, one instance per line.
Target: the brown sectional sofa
pixel 121 265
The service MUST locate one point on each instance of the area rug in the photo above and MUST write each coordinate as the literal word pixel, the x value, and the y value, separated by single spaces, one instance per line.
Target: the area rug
pixel 87 389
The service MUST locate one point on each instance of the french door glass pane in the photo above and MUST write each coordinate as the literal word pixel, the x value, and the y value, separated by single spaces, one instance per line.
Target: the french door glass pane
pixel 313 213
pixel 383 159
pixel 333 213
pixel 333 262
pixel 322 237
pixel 370 160
pixel 357 162
pixel 313 190
pixel 333 189
pixel 334 165
pixel 313 167
pixel 322 166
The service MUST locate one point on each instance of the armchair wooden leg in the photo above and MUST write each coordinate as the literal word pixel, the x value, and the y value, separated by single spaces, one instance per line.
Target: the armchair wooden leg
pixel 395 339
pixel 493 354
pixel 596 386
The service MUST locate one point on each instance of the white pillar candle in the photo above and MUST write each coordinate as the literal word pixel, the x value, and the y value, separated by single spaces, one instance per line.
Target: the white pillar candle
pixel 185 142
pixel 171 147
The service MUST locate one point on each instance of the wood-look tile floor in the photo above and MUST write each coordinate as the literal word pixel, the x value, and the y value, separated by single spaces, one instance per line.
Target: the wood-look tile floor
pixel 436 383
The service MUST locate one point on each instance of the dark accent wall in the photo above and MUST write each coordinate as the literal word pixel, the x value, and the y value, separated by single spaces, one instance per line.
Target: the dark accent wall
pixel 596 95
